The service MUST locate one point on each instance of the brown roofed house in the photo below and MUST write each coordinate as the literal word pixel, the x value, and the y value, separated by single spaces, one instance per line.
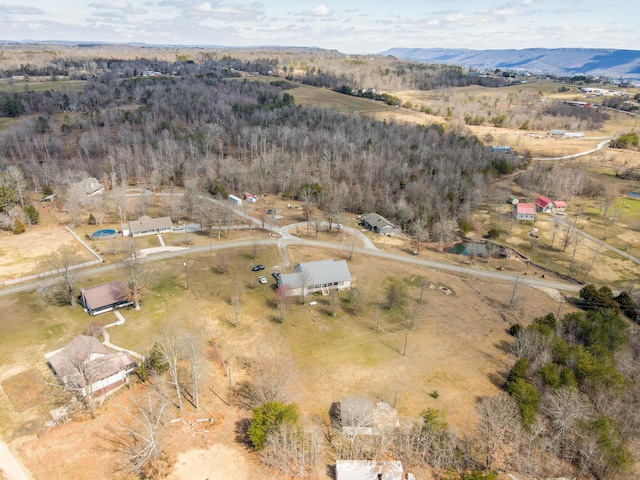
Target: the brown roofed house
pixel 104 298
pixel 88 367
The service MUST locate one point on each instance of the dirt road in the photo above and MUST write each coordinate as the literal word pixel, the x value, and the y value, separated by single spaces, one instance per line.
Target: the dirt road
pixel 10 467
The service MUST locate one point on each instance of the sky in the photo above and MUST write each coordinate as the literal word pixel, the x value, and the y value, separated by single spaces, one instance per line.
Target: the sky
pixel 354 26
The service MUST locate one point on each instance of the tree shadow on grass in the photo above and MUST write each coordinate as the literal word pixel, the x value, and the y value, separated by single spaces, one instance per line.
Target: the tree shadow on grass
pixel 240 431
pixel 497 379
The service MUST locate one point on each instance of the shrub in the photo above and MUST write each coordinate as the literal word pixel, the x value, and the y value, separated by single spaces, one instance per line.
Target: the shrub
pixel 32 214
pixel 267 417
pixel 18 227
pixel 493 234
pixel 515 329
pixel 626 140
pixel 527 398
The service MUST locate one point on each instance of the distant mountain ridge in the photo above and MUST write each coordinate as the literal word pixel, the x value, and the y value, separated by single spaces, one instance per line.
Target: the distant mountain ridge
pixel 557 61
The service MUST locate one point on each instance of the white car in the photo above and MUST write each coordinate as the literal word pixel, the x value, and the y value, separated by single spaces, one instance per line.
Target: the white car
pixel 278 217
pixel 262 279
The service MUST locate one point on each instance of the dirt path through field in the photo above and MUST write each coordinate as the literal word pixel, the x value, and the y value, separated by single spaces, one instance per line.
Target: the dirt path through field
pixel 10 467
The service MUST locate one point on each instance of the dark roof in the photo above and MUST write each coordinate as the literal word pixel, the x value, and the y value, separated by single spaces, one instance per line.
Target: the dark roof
pixel 107 294
pixel 377 221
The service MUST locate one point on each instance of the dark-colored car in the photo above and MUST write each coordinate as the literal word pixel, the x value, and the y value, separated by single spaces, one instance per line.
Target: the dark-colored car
pixel 275 275
pixel 257 267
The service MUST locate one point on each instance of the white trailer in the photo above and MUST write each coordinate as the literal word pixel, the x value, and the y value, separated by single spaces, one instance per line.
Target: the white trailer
pixel 235 200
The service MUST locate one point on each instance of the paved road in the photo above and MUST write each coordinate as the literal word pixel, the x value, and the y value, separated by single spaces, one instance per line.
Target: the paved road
pixel 10 467
pixel 284 242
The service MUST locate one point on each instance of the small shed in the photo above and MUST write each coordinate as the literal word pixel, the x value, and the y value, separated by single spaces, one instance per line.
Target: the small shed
pixel 501 149
pixel 513 200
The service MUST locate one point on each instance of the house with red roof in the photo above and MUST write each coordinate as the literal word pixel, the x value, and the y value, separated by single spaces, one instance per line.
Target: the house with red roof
pixel 524 211
pixel 560 205
pixel 544 204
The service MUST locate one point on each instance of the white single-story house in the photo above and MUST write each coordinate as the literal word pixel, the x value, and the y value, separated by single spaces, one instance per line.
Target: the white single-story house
pixel 368 470
pixel 86 366
pixel 104 298
pixel 146 226
pixel 318 276
pixel 378 224
pixel 524 211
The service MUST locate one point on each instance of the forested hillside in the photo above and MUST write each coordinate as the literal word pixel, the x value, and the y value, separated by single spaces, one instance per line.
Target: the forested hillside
pixel 208 127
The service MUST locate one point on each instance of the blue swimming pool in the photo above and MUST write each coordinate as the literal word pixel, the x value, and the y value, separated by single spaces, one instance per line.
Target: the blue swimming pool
pixel 103 234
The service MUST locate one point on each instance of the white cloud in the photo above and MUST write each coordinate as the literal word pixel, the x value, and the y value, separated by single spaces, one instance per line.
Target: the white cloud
pixel 506 12
pixel 111 5
pixel 19 10
pixel 205 7
pixel 322 11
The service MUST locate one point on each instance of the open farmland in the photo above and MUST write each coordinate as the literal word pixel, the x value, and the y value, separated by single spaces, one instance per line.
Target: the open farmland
pixel 458 354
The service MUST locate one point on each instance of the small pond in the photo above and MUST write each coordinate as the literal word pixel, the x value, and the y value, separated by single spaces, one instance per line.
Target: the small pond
pixel 476 249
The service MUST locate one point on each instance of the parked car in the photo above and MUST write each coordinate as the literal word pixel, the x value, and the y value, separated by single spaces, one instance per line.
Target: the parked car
pixel 275 275
pixel 278 217
pixel 262 279
pixel 257 267
pixel 271 211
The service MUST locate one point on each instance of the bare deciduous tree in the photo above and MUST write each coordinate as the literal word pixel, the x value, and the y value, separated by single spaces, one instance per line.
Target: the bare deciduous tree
pixel 270 377
pixel 236 301
pixel 498 426
pixel 171 349
pixel 283 299
pixel 293 451
pixel 138 436
pixel 136 285
pixel 195 354
pixel 62 261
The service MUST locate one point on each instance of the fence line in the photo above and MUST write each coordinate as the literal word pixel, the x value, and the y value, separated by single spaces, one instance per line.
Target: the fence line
pixel 50 273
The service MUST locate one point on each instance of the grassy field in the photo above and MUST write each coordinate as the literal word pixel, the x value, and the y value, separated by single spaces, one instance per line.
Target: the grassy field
pixel 41 86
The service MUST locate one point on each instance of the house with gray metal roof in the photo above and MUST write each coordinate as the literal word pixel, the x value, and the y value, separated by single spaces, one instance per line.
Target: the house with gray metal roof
pixel 378 224
pixel 318 276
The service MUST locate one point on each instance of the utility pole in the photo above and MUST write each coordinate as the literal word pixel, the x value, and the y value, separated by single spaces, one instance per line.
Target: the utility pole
pixel 406 337
pixel 186 273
